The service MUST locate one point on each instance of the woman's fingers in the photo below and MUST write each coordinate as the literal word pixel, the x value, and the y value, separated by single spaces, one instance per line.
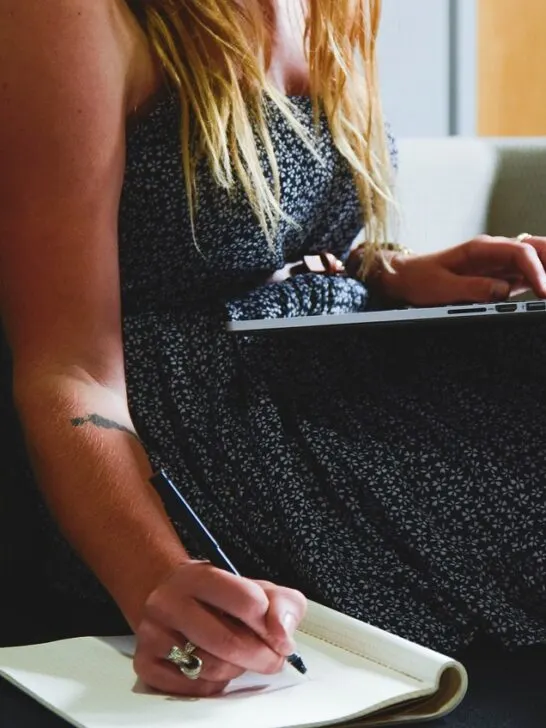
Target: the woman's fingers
pixel 153 646
pixel 238 597
pixel 539 244
pixel 219 612
pixel 235 624
pixel 227 639
pixel 166 677
pixel 486 255
pixel 242 599
pixel 287 608
pixel 444 287
pixel 476 289
pixel 163 678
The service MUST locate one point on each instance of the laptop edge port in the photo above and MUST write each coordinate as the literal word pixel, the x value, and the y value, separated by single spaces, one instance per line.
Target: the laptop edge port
pixel 536 306
pixel 506 307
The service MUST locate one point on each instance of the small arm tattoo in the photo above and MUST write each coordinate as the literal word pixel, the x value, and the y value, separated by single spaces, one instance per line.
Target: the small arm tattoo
pixel 102 423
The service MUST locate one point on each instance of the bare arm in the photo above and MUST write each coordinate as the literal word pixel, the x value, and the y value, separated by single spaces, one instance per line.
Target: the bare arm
pixel 63 89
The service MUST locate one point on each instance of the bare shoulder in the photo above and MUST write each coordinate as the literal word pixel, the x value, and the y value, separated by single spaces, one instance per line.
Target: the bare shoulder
pixel 69 47
pixel 63 92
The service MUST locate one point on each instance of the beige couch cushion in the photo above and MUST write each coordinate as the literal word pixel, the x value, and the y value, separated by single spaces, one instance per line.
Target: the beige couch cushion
pixel 443 188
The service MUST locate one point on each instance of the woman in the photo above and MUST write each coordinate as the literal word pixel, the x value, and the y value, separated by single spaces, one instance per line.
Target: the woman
pixel 162 163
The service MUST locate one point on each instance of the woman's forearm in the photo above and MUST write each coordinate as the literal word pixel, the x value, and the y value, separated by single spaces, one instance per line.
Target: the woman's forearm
pixel 94 474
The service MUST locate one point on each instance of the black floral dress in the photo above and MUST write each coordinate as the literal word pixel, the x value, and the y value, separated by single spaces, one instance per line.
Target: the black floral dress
pixel 396 475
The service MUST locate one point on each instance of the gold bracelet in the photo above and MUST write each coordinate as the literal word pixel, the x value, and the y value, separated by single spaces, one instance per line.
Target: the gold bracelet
pixel 395 248
pixel 367 260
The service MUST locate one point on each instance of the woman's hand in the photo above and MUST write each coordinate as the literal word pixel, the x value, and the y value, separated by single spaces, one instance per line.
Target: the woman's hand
pixel 481 270
pixel 236 624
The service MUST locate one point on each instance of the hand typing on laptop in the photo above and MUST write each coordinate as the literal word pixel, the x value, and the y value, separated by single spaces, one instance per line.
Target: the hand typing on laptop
pixel 481 270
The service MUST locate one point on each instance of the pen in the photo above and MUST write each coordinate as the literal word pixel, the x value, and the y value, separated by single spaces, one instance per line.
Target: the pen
pixel 175 503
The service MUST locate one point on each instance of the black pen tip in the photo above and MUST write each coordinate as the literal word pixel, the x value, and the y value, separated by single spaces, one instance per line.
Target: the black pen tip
pixel 295 660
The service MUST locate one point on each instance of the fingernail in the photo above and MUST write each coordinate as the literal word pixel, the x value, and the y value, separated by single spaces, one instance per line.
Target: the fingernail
pixel 288 621
pixel 288 644
pixel 500 290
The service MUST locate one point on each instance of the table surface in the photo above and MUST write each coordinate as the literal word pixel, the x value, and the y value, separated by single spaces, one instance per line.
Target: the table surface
pixel 506 691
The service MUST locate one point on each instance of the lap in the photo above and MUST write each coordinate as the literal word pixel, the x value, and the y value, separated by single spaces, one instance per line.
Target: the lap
pixel 373 420
pixel 417 446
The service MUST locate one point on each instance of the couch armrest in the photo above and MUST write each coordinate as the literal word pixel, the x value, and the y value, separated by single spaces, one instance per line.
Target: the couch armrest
pixel 518 197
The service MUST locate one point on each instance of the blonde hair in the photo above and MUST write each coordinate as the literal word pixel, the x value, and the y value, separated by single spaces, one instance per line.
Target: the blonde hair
pixel 216 53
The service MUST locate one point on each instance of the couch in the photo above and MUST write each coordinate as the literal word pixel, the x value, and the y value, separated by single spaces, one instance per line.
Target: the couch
pixel 450 190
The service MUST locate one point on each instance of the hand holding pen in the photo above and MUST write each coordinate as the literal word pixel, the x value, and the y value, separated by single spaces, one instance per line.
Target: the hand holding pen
pixel 220 623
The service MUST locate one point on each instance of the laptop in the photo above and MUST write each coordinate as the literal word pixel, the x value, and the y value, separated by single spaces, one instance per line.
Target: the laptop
pixel 509 310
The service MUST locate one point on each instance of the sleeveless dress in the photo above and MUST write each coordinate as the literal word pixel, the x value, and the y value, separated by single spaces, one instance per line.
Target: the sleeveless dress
pixel 396 475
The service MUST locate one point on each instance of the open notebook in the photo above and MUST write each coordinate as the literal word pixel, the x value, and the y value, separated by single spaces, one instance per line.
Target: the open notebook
pixel 356 673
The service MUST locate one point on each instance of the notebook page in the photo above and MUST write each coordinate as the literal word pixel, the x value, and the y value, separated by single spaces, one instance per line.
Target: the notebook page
pixel 92 684
pixel 408 658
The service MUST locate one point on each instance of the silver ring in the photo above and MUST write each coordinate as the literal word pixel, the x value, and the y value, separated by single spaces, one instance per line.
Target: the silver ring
pixel 192 669
pixel 189 647
pixel 189 664
pixel 522 237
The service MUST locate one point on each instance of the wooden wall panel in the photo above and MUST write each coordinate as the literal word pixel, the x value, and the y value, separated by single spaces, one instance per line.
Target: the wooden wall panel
pixel 512 67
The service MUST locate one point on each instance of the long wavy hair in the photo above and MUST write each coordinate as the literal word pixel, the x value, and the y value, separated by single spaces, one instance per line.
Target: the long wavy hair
pixel 217 53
